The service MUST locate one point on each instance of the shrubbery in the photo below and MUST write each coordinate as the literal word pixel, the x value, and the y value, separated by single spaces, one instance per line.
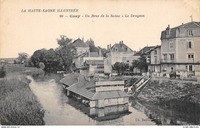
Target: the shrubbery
pixel 2 72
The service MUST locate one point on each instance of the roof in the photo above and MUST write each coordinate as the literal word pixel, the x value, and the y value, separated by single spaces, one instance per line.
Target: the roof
pixel 144 50
pixel 86 89
pixel 94 54
pixel 174 32
pixel 79 43
pixel 109 94
pixel 82 55
pixel 82 88
pixel 121 47
pixel 158 46
pixel 94 62
pixel 70 79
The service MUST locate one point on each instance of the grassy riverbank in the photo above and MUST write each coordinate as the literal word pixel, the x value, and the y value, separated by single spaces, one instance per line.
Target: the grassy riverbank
pixel 173 96
pixel 18 104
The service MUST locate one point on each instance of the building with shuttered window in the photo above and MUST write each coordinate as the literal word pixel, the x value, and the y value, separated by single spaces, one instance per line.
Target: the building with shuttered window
pixel 180 49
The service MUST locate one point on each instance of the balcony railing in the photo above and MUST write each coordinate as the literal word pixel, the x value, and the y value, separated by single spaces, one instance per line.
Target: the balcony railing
pixel 179 61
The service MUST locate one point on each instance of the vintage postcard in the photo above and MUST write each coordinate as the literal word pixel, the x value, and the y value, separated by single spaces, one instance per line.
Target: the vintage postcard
pixel 109 62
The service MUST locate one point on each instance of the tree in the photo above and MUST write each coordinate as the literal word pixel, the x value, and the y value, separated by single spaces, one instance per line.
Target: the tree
pixel 59 59
pixel 124 67
pixel 92 46
pixel 22 57
pixel 41 65
pixel 63 41
pixel 104 51
pixel 2 72
pixel 65 53
pixel 117 67
pixel 47 57
pixel 120 67
pixel 140 64
pixel 38 56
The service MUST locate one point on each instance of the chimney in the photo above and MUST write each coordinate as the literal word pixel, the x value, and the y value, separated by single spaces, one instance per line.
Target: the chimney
pixel 108 47
pixel 83 39
pixel 120 42
pixel 100 53
pixel 168 31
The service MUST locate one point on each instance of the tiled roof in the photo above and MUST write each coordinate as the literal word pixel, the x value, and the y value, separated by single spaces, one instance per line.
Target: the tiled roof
pixel 109 94
pixel 70 79
pixel 121 47
pixel 82 88
pixel 94 62
pixel 79 43
pixel 144 50
pixel 158 46
pixel 173 31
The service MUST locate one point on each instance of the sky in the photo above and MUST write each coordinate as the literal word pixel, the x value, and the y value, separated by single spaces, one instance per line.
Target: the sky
pixel 29 31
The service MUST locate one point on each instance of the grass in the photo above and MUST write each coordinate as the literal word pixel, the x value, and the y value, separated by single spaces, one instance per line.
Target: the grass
pixel 18 104
pixel 180 97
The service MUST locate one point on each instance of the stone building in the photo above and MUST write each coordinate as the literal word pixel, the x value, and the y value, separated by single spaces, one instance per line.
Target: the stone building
pixel 154 63
pixel 145 52
pixel 81 50
pixel 180 49
pixel 103 97
pixel 120 52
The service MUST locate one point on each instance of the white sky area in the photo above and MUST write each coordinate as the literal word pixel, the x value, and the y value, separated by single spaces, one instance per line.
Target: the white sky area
pixel 30 31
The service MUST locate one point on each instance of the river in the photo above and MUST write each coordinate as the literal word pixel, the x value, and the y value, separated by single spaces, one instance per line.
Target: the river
pixel 61 110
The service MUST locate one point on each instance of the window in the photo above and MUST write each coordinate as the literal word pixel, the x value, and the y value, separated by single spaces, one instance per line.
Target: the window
pixel 155 52
pixel 164 69
pixel 189 45
pixel 189 32
pixel 171 56
pixel 165 56
pixel 186 67
pixel 190 56
pixel 126 49
pixel 155 59
pixel 190 67
pixel 171 45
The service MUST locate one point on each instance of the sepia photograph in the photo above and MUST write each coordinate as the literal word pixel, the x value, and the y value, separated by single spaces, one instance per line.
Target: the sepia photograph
pixel 96 63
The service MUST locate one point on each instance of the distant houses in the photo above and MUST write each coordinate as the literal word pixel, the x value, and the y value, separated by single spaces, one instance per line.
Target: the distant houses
pixel 92 83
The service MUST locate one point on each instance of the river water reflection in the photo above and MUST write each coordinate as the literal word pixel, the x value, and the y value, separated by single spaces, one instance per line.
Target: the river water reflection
pixel 59 109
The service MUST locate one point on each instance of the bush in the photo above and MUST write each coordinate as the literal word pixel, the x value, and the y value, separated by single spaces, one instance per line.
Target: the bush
pixel 2 72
